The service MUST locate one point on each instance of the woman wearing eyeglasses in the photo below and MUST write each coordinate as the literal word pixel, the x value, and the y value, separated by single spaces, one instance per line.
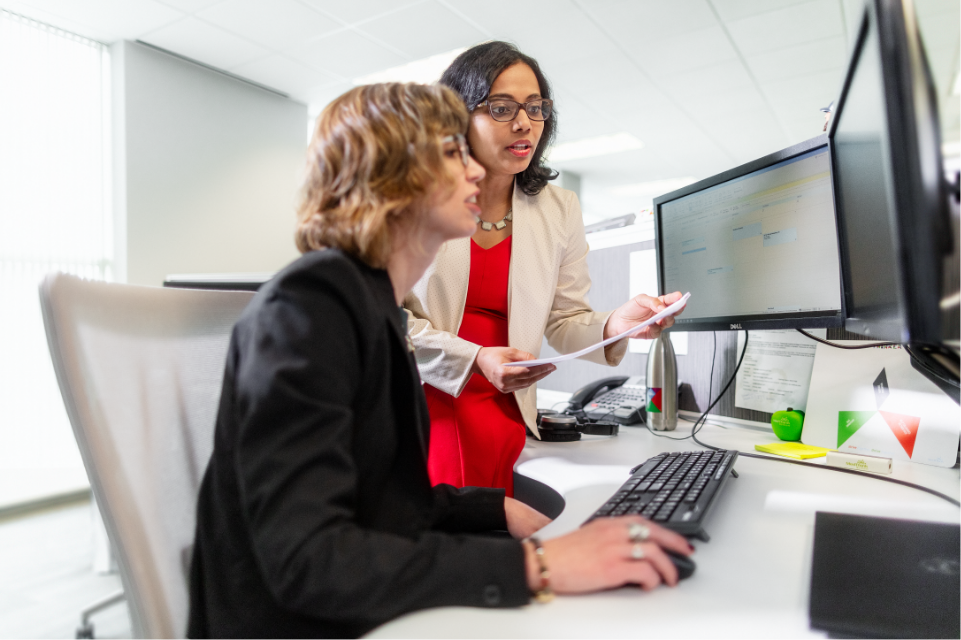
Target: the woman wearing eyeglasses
pixel 490 299
pixel 316 517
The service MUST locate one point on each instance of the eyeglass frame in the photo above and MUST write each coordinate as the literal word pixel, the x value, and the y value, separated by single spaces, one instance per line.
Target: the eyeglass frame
pixel 487 102
pixel 461 141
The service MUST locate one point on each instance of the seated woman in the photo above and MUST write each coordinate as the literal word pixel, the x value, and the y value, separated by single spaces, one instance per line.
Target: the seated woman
pixel 316 515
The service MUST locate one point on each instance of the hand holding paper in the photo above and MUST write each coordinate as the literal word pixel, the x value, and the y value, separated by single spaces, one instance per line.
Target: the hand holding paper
pixel 674 309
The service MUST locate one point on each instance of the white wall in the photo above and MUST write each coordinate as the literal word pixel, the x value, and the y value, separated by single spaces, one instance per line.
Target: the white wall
pixel 206 169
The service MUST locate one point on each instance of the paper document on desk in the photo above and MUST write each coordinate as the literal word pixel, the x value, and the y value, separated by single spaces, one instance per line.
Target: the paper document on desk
pixel 873 402
pixel 670 311
pixel 776 372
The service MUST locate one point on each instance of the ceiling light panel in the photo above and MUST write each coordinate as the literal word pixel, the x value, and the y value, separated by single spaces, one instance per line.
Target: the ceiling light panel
pixel 423 30
pixel 102 20
pixel 200 41
pixel 279 24
pixel 654 187
pixel 593 147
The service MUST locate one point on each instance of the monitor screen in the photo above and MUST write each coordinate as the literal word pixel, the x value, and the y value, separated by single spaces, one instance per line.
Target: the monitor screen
pixel 885 139
pixel 757 246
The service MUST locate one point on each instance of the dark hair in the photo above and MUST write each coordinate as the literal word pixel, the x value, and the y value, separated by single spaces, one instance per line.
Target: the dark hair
pixel 471 75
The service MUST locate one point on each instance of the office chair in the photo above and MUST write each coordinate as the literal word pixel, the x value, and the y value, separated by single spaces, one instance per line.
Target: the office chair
pixel 140 370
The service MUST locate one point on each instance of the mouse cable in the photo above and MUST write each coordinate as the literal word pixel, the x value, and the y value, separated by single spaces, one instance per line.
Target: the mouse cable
pixel 699 424
pixel 703 418
pixel 846 346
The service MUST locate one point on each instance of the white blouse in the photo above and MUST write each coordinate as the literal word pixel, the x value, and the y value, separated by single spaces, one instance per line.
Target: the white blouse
pixel 547 296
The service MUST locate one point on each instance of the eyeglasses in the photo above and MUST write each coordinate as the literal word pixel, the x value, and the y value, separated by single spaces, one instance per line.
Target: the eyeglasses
pixel 507 110
pixel 461 142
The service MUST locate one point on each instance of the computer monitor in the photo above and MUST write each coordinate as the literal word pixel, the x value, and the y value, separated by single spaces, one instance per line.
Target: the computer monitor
pixel 757 246
pixel 892 206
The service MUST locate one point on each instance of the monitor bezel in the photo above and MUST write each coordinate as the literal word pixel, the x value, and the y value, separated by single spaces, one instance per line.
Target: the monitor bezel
pixel 808 320
pixel 909 319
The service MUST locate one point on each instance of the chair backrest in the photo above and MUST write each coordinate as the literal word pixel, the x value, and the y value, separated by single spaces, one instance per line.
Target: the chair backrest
pixel 140 370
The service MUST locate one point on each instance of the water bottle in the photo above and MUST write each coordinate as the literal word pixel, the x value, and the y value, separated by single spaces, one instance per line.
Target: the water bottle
pixel 662 384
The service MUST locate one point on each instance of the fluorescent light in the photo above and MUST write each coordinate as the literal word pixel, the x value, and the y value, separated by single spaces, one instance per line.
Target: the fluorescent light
pixel 957 84
pixel 424 71
pixel 654 187
pixel 951 149
pixel 592 147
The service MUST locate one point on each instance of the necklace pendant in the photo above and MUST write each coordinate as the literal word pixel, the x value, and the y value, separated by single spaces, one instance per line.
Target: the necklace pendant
pixel 500 225
pixel 486 226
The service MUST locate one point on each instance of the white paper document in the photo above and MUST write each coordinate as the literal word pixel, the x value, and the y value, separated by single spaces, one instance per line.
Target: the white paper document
pixel 643 279
pixel 670 311
pixel 873 402
pixel 776 372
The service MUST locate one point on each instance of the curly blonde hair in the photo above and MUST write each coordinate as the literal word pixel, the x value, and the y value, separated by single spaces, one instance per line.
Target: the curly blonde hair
pixel 375 155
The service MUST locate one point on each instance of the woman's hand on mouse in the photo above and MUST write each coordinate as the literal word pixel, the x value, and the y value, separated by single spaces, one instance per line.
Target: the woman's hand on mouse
pixel 522 520
pixel 638 309
pixel 490 364
pixel 602 555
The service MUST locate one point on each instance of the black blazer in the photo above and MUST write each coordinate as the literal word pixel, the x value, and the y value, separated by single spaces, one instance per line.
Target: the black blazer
pixel 316 515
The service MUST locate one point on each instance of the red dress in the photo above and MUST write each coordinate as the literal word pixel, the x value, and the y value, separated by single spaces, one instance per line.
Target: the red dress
pixel 476 438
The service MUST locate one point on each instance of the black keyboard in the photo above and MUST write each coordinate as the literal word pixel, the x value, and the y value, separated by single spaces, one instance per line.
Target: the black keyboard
pixel 676 490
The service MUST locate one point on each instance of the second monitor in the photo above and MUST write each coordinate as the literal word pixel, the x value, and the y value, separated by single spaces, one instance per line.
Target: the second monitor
pixel 757 246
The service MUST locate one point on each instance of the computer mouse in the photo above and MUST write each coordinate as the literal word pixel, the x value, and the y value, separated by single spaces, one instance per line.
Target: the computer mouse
pixel 684 565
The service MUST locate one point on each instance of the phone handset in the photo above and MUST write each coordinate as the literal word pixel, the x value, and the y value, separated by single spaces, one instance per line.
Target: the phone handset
pixel 589 391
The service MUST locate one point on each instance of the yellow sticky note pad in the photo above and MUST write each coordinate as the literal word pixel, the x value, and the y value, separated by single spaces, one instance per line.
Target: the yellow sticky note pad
pixel 794 450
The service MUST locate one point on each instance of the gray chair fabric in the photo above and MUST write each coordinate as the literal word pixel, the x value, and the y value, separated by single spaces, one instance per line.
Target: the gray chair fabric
pixel 140 370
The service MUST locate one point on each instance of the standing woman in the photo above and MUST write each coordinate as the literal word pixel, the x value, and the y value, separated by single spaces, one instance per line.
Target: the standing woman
pixel 490 299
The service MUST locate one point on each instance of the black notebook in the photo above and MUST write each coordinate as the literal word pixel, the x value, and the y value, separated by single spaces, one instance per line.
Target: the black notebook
pixel 879 577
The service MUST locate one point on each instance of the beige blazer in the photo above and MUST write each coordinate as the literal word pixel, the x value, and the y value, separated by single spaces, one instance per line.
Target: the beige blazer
pixel 547 296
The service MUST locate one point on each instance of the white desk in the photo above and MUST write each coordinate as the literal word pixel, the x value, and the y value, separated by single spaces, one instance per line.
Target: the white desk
pixel 752 578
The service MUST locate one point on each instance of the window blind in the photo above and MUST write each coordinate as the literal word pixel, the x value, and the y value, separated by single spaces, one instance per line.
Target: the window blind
pixel 54 216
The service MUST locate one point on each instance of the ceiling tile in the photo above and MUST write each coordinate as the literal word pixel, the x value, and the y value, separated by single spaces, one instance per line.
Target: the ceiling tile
pixel 346 54
pixel 810 57
pixel 283 74
pixel 423 30
pixel 567 40
pixel 189 6
pixel 804 94
pixel 726 104
pixel 938 22
pixel 736 9
pixel 707 80
pixel 600 74
pixel 200 41
pixel 684 52
pixel 629 20
pixel 792 25
pixel 358 11
pixel 319 96
pixel 280 24
pixel 103 20
pixel 510 19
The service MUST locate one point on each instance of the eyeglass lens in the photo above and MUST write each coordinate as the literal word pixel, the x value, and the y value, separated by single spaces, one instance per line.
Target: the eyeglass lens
pixel 506 110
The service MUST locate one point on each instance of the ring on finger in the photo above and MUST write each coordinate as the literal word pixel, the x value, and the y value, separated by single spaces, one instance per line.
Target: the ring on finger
pixel 637 553
pixel 638 532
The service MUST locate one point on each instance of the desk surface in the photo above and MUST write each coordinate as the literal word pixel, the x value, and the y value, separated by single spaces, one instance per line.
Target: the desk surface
pixel 752 578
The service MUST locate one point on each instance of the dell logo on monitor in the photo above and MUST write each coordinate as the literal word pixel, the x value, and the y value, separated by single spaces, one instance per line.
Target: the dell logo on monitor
pixel 735 326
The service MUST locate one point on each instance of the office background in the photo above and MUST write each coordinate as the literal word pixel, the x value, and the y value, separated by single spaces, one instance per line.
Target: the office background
pixel 192 116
